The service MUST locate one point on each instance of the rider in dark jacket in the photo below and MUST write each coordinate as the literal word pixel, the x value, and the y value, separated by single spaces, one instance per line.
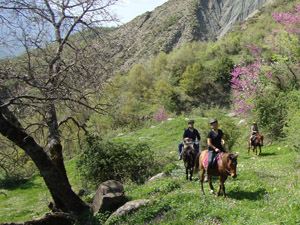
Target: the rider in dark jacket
pixel 190 133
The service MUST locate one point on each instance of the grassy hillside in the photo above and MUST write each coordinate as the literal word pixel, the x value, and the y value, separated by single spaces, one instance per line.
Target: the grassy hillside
pixel 266 190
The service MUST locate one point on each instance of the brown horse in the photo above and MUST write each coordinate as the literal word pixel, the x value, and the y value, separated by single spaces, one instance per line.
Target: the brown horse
pixel 226 166
pixel 259 141
pixel 188 156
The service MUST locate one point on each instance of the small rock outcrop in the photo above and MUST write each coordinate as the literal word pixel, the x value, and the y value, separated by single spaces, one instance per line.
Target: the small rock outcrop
pixel 160 175
pixel 48 219
pixel 109 196
pixel 129 207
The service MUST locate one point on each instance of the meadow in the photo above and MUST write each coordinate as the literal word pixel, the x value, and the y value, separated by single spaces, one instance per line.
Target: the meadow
pixel 266 191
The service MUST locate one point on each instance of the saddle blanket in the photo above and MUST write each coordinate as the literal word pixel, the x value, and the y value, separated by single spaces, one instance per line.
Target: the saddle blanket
pixel 253 139
pixel 215 161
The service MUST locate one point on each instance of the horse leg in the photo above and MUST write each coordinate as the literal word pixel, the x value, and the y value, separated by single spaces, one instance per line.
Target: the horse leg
pixel 202 178
pixel 210 184
pixel 259 150
pixel 187 173
pixel 191 173
pixel 249 146
pixel 255 150
pixel 222 186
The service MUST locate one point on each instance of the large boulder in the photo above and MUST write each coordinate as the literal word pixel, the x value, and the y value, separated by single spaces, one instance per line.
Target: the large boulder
pixel 109 196
pixel 129 207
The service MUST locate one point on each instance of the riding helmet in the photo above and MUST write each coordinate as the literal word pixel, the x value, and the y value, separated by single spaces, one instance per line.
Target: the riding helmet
pixel 213 121
pixel 191 121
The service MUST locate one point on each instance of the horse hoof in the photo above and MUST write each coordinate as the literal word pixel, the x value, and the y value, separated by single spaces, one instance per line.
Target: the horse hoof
pixel 211 192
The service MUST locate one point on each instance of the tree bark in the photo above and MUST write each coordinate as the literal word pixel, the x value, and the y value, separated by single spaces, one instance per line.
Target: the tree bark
pixel 57 183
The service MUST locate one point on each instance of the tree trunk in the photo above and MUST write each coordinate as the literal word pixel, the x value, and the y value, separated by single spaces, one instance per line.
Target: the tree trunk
pixel 56 182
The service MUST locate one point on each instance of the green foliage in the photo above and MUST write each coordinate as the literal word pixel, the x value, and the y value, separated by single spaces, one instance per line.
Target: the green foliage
pixel 106 160
pixel 292 121
pixel 270 111
pixel 193 80
pixel 231 132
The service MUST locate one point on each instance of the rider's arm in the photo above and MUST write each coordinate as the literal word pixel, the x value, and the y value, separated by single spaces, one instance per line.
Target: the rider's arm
pixel 211 145
pixel 198 136
pixel 224 143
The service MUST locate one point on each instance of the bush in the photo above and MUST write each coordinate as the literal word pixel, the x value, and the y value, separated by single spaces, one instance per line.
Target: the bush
pixel 292 121
pixel 231 132
pixel 270 111
pixel 105 160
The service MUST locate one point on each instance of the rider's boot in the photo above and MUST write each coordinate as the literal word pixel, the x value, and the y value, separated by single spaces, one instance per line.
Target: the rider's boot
pixel 180 157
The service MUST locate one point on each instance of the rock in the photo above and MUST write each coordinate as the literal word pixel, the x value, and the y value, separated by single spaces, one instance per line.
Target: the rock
pixel 48 219
pixel 152 126
pixel 242 122
pixel 170 26
pixel 160 175
pixel 109 196
pixel 129 207
pixel 170 119
pixel 120 134
pixel 231 114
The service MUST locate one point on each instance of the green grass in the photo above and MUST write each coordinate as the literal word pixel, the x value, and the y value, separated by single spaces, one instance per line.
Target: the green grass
pixel 29 199
pixel 266 191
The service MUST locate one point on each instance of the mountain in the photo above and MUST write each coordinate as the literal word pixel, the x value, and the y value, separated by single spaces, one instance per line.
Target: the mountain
pixel 172 24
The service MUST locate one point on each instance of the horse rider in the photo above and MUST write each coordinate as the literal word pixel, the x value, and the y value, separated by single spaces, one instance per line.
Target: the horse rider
pixel 254 132
pixel 214 142
pixel 190 133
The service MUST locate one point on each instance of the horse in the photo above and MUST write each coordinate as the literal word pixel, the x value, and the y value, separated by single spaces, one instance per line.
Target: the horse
pixel 259 141
pixel 188 156
pixel 225 166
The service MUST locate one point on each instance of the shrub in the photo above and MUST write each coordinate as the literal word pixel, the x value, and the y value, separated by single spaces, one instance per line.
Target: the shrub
pixel 105 160
pixel 231 132
pixel 292 121
pixel 270 111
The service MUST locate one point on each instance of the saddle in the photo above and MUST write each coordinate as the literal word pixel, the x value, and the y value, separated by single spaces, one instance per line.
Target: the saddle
pixel 215 160
pixel 253 139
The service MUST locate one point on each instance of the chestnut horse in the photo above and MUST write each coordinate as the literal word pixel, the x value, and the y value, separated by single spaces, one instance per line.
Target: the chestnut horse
pixel 259 141
pixel 188 156
pixel 226 166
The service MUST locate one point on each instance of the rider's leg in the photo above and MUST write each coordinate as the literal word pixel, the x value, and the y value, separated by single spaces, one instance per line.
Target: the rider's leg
pixel 210 161
pixel 196 145
pixel 180 145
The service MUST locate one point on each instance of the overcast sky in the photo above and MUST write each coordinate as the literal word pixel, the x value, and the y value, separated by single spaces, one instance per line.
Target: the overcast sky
pixel 129 9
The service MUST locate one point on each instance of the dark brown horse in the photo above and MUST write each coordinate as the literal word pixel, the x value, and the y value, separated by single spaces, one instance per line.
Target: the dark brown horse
pixel 188 156
pixel 225 166
pixel 259 141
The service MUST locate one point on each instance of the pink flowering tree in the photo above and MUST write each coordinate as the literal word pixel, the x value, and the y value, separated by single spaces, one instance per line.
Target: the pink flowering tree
pixel 160 115
pixel 281 71
pixel 246 83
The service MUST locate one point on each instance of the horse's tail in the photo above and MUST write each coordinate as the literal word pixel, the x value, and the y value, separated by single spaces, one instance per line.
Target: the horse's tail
pixel 197 161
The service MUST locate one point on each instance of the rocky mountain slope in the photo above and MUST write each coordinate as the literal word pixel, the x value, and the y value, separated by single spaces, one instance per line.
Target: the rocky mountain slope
pixel 172 24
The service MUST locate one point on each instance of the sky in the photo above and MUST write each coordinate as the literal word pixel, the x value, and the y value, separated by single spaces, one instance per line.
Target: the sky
pixel 127 10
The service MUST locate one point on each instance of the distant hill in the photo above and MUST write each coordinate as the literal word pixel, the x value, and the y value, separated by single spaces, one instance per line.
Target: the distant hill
pixel 172 24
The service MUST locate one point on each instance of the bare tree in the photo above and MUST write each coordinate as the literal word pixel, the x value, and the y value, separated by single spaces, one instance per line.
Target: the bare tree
pixel 60 72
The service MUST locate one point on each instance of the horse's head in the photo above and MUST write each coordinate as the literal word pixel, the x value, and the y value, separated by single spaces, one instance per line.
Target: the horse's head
pixel 260 139
pixel 231 164
pixel 188 149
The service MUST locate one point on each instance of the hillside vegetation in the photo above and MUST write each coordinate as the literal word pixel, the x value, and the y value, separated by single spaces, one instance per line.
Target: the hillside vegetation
pixel 252 74
pixel 266 190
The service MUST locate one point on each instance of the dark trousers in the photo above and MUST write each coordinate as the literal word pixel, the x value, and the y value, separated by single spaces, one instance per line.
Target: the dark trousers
pixel 211 156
